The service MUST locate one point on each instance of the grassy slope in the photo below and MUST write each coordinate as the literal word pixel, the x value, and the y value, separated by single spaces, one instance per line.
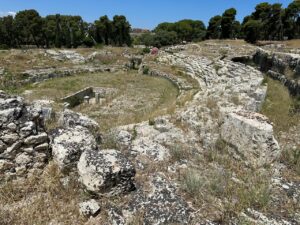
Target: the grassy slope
pixel 277 107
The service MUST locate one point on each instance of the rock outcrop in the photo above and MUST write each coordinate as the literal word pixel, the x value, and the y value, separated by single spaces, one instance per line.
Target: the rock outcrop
pixel 106 172
pixel 23 140
pixel 63 55
pixel 157 202
pixel 71 119
pixel 251 136
pixel 277 64
pixel 69 143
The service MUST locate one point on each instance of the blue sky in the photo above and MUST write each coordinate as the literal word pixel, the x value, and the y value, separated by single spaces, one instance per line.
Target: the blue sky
pixel 140 13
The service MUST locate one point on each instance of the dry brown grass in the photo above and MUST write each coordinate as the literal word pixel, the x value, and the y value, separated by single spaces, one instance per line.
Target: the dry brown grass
pixel 236 43
pixel 295 43
pixel 40 199
pixel 16 61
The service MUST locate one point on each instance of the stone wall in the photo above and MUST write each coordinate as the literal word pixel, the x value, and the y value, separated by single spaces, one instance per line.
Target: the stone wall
pixel 276 66
pixel 39 75
pixel 78 97
pixel 23 140
pixel 292 85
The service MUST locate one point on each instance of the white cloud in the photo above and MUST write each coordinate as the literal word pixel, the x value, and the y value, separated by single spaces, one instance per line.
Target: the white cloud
pixel 2 14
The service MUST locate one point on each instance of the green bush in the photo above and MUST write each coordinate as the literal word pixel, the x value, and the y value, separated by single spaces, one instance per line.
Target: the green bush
pixel 3 47
pixel 146 50
pixel 146 70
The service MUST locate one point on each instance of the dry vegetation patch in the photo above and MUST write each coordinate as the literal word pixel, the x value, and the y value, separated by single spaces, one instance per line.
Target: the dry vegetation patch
pixel 41 199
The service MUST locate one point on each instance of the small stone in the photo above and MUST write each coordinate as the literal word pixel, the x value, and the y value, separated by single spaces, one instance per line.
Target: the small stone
pixel 42 147
pixel 23 159
pixel 5 165
pixel 36 139
pixel 28 150
pixel 14 147
pixel 12 127
pixel 10 138
pixel 89 208
pixel 286 187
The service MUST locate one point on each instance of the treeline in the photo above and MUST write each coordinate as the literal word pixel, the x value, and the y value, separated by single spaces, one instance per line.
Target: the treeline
pixel 272 22
pixel 173 33
pixel 29 28
pixel 267 22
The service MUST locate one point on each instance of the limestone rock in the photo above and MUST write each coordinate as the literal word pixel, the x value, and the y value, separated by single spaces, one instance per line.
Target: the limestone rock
pixel 146 146
pixel 69 143
pixel 123 139
pixel 71 119
pixel 63 55
pixel 106 172
pixel 36 139
pixel 159 203
pixel 251 135
pixel 89 208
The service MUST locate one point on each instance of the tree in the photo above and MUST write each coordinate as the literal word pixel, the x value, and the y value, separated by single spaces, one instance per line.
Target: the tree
pixel 103 28
pixel 121 31
pixel 251 30
pixel 291 20
pixel 7 32
pixel 28 27
pixel 186 30
pixel 227 23
pixel 275 24
pixel 214 28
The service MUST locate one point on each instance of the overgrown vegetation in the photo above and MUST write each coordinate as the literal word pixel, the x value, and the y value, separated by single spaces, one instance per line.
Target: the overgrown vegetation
pixel 225 187
pixel 41 199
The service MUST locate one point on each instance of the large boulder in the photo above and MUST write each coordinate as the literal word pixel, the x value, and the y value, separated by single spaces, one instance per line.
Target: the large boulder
pixel 251 135
pixel 68 144
pixel 106 172
pixel 23 138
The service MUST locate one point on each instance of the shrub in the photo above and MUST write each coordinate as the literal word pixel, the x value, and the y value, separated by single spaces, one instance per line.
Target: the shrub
pixel 146 50
pixel 291 158
pixel 88 41
pixel 151 122
pixel 146 70
pixel 4 47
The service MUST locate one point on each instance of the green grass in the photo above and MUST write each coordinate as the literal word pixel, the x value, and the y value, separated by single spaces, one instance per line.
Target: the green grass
pixel 277 106
pixel 138 97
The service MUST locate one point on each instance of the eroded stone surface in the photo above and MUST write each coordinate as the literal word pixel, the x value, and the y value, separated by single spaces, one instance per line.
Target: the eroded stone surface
pixel 251 135
pixel 72 119
pixel 89 208
pixel 106 172
pixel 68 144
pixel 157 201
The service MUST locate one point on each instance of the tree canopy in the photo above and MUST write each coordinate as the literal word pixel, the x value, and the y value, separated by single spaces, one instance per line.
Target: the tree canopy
pixel 29 28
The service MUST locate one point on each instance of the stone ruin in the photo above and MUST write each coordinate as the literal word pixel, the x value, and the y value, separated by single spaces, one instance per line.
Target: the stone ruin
pixel 76 147
pixel 89 95
pixel 24 143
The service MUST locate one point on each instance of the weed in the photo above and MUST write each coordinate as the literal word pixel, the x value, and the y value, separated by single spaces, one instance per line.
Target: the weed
pixel 291 158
